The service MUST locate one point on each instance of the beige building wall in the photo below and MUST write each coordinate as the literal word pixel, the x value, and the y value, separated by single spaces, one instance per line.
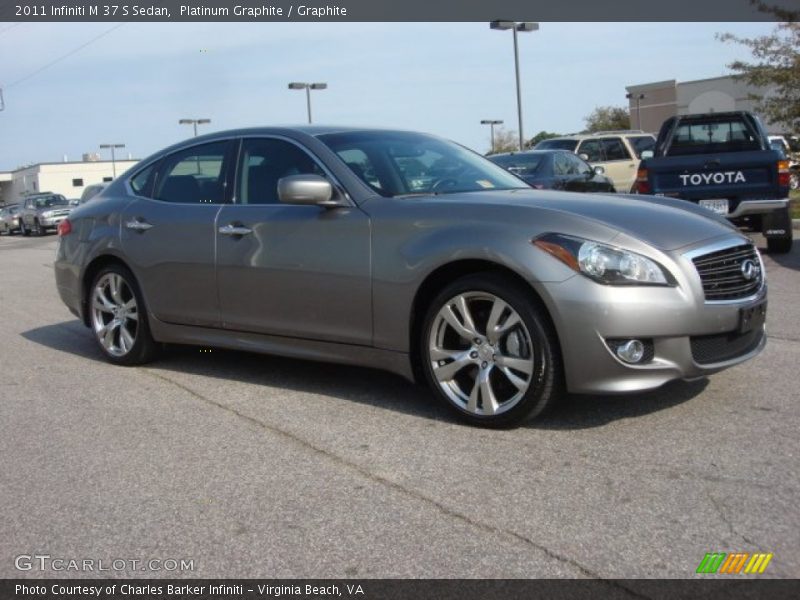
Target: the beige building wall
pixel 658 104
pixel 68 179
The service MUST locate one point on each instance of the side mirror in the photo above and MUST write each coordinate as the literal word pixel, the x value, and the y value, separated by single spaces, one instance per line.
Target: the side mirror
pixel 306 189
pixel 584 156
pixel 599 170
pixel 647 154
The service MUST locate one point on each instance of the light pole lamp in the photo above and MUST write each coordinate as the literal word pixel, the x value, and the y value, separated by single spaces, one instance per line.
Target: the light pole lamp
pixel 113 158
pixel 296 85
pixel 515 27
pixel 491 123
pixel 639 98
pixel 194 123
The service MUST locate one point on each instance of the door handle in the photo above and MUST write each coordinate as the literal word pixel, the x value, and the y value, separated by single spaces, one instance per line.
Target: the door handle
pixel 137 225
pixel 234 230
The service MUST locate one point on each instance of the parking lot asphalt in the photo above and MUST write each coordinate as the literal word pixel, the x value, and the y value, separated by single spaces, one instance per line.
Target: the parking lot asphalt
pixel 256 466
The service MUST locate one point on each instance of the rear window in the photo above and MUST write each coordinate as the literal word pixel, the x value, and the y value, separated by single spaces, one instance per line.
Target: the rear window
pixel 519 164
pixel 714 136
pixel 557 145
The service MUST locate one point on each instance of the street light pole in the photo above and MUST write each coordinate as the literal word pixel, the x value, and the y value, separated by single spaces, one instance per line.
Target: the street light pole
pixel 194 123
pixel 296 85
pixel 113 158
pixel 491 123
pixel 515 27
pixel 639 98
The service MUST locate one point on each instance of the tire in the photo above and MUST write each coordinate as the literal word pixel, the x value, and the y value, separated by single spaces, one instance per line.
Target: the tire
pixel 23 230
pixel 107 307
pixel 779 245
pixel 37 228
pixel 518 370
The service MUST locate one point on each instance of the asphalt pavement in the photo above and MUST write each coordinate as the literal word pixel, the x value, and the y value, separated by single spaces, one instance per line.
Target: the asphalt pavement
pixel 256 466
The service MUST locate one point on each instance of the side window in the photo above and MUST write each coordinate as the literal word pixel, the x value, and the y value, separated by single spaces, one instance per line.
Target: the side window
pixel 642 143
pixel 592 149
pixel 266 160
pixel 615 149
pixel 142 182
pixel 193 176
pixel 560 164
pixel 579 167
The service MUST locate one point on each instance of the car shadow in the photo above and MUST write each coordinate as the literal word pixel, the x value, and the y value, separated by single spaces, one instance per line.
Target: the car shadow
pixel 359 384
pixel 790 260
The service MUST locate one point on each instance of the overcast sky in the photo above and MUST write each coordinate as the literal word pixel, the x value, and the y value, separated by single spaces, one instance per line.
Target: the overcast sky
pixel 133 85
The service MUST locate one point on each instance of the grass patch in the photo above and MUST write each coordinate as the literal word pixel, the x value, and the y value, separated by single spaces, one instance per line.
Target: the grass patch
pixel 794 206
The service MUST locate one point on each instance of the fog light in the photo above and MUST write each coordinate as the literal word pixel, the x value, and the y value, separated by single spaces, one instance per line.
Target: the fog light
pixel 631 351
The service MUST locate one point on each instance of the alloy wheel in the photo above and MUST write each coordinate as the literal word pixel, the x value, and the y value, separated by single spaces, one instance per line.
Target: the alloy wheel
pixel 115 314
pixel 481 353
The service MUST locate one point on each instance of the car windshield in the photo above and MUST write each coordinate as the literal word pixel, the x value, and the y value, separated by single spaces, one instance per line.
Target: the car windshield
pixel 557 145
pixel 520 164
pixel 47 201
pixel 404 163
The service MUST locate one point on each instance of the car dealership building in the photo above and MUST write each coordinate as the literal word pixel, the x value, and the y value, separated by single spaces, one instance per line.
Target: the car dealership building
pixel 651 104
pixel 67 178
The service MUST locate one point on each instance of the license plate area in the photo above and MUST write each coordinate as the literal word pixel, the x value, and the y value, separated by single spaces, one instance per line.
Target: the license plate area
pixel 752 317
pixel 719 206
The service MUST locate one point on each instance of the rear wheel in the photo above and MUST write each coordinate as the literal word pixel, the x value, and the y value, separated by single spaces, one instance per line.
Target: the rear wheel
pixel 119 318
pixel 489 352
pixel 779 245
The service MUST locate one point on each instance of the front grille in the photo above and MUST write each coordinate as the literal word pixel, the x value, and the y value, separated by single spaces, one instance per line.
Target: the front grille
pixel 710 349
pixel 723 273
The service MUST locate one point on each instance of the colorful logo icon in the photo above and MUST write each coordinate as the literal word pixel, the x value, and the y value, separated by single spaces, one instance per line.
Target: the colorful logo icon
pixel 735 563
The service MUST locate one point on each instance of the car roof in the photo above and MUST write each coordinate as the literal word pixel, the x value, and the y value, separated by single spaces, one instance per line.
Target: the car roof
pixel 524 152
pixel 586 136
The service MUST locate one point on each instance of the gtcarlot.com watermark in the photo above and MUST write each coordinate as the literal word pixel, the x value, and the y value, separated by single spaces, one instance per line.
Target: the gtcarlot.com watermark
pixel 46 562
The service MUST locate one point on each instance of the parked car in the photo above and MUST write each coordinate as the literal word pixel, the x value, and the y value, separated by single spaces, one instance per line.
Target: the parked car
pixel 724 162
pixel 554 170
pixel 789 145
pixel 41 212
pixel 618 152
pixel 324 244
pixel 91 191
pixel 9 219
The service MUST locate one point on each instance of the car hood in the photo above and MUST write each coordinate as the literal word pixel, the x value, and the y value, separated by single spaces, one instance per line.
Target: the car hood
pixel 665 223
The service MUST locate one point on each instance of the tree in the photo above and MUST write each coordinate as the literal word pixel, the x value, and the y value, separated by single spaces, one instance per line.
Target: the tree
pixel 505 140
pixel 542 135
pixel 775 66
pixel 605 118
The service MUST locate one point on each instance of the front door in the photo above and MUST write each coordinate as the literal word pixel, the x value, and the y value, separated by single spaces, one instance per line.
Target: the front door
pixel 290 270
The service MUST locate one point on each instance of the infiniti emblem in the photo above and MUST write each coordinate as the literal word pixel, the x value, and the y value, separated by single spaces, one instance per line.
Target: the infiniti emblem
pixel 750 270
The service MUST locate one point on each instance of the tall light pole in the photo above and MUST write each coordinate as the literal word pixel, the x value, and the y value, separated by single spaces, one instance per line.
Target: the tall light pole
pixel 113 159
pixel 491 123
pixel 296 85
pixel 639 98
pixel 515 27
pixel 194 123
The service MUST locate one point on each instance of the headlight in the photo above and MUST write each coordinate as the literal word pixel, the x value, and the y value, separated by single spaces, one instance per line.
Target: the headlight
pixel 47 214
pixel 603 263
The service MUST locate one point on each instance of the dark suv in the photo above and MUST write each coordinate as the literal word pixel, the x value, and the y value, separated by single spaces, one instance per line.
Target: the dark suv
pixel 41 212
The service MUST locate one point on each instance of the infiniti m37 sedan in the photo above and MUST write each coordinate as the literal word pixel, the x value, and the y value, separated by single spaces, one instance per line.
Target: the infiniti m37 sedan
pixel 406 252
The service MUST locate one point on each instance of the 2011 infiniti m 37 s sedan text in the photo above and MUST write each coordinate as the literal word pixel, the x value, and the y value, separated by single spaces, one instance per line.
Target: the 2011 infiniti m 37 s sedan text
pixel 409 253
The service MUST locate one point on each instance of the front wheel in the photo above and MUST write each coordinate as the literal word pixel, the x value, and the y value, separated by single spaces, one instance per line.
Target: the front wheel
pixel 119 318
pixel 22 229
pixel 490 352
pixel 37 228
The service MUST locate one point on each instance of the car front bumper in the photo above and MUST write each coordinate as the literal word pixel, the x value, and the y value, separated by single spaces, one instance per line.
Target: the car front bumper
pixel 685 336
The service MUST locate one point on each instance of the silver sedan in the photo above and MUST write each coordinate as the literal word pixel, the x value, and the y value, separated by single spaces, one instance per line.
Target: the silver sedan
pixel 406 252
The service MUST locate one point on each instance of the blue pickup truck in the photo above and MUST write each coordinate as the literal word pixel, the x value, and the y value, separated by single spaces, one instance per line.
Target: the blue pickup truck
pixel 723 162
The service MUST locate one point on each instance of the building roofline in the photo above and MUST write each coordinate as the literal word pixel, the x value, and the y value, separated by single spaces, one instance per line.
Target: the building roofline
pixel 71 162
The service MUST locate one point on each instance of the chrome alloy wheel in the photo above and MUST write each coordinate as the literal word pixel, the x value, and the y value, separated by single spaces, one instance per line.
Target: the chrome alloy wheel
pixel 115 316
pixel 481 353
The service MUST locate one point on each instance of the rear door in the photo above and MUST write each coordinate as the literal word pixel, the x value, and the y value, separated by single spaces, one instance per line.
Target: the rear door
pixel 291 270
pixel 168 232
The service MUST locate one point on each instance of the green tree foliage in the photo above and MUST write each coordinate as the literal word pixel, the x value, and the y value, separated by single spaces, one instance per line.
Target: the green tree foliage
pixel 542 135
pixel 604 118
pixel 775 66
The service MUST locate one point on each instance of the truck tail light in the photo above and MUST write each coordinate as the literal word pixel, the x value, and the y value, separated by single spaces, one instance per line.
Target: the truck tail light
pixel 642 185
pixel 783 173
pixel 64 228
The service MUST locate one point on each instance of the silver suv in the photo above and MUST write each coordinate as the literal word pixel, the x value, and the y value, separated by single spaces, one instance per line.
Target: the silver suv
pixel 41 212
pixel 618 152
